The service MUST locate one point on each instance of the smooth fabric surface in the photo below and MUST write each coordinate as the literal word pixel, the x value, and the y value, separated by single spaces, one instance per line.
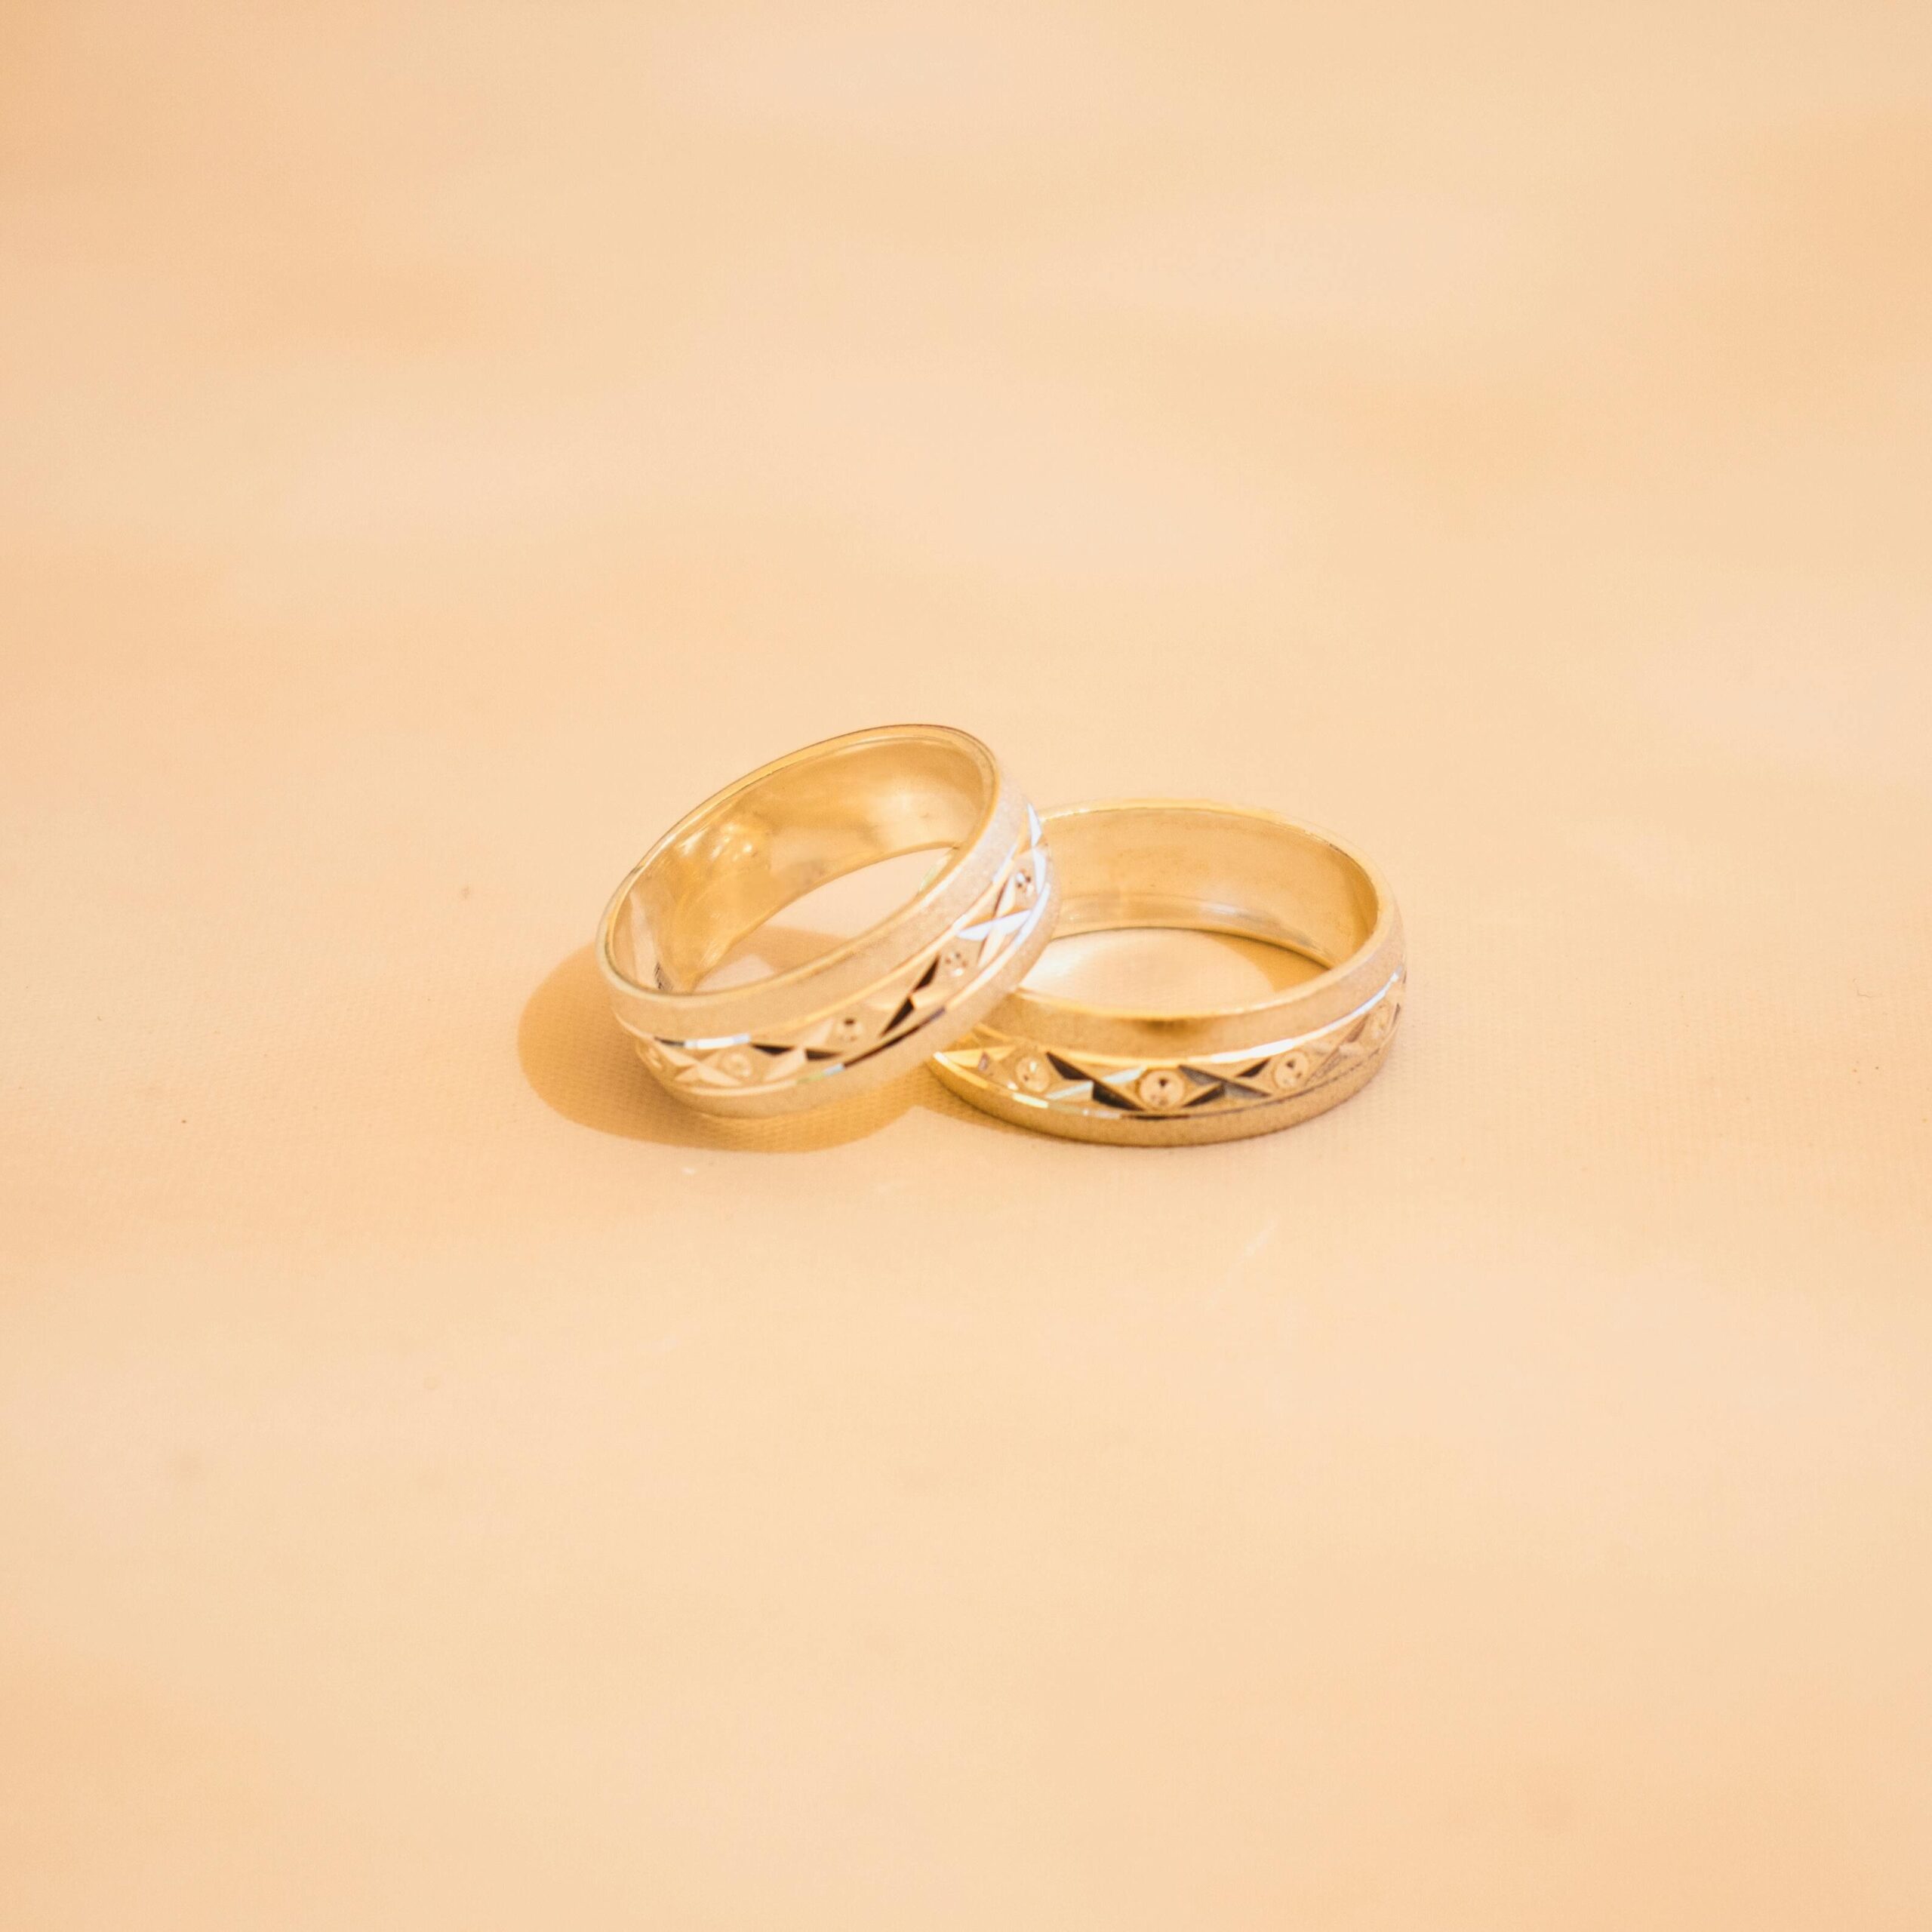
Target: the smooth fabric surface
pixel 442 1485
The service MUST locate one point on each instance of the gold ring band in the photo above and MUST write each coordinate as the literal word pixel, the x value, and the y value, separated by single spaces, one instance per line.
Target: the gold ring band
pixel 1149 1079
pixel 872 1006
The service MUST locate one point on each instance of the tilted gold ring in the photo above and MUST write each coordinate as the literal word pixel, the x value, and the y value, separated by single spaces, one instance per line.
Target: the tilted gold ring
pixel 872 1006
pixel 1163 1079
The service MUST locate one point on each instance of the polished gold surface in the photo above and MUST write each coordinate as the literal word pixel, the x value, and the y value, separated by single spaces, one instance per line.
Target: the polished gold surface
pixel 872 1006
pixel 1146 1079
pixel 448 1485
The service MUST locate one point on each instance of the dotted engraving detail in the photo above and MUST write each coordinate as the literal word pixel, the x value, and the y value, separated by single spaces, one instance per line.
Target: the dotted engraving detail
pixel 911 999
pixel 1094 1084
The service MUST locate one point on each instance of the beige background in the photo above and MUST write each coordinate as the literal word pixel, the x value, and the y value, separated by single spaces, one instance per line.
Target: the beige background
pixel 441 1486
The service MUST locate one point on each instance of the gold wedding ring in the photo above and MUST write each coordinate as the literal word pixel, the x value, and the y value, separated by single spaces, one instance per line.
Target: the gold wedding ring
pixel 1165 1079
pixel 876 1004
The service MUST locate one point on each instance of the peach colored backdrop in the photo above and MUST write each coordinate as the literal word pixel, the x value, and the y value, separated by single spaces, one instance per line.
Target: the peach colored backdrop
pixel 442 1487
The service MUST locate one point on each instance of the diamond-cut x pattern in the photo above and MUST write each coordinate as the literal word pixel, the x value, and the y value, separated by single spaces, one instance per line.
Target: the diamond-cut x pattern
pixel 911 998
pixel 1088 1083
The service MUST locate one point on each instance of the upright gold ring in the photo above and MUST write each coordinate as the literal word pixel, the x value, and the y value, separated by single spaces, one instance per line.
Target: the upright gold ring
pixel 872 1006
pixel 1165 1079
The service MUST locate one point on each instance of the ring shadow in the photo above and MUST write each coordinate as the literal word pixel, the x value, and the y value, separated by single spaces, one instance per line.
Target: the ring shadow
pixel 581 1064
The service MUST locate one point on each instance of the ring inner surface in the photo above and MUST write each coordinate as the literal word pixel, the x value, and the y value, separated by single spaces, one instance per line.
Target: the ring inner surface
pixel 771 839
pixel 1195 869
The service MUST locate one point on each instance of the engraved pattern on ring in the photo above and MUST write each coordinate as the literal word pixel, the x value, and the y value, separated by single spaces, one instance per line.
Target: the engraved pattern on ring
pixel 1101 1087
pixel 905 1002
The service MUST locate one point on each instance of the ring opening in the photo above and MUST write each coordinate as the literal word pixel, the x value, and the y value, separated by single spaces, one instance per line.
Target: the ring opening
pixel 1204 869
pixel 772 838
pixel 1169 969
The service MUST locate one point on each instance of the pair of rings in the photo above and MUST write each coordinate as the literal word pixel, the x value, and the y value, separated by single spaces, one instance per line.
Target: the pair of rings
pixel 940 979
